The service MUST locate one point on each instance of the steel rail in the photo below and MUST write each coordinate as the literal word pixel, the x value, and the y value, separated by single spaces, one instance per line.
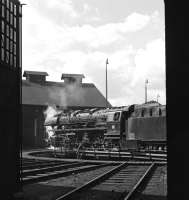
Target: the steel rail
pixel 50 169
pixel 61 173
pixel 47 161
pixel 140 183
pixel 46 164
pixel 32 162
pixel 92 182
pixel 123 155
pixel 146 163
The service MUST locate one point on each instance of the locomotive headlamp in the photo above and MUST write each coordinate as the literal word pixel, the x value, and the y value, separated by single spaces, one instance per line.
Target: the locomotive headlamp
pixel 113 126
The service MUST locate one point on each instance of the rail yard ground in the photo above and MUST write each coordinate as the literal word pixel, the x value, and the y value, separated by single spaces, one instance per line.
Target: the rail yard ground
pixel 92 179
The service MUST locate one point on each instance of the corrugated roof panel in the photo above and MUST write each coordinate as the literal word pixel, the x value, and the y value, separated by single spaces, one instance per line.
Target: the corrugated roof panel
pixel 63 95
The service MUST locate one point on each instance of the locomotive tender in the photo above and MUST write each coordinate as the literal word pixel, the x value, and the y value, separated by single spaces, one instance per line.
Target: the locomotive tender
pixel 128 127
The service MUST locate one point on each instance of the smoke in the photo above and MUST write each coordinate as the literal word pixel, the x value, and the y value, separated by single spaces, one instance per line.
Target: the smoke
pixel 49 131
pixel 49 114
pixel 62 95
pixel 67 95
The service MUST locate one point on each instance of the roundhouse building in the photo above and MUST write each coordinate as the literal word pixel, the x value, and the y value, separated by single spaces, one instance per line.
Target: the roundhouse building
pixel 38 94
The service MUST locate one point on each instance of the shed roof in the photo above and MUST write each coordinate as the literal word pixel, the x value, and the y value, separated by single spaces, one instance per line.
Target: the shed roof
pixel 58 93
pixel 34 73
pixel 72 75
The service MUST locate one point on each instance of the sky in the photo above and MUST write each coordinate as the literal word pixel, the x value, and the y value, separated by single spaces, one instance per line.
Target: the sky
pixel 77 36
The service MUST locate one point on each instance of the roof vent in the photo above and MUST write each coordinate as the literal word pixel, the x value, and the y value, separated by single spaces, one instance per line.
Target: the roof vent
pixel 35 76
pixel 72 78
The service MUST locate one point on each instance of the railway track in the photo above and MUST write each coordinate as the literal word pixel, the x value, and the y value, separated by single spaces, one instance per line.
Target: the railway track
pixel 33 161
pixel 45 173
pixel 125 181
pixel 110 155
pixel 157 184
pixel 143 156
pixel 58 179
pixel 43 164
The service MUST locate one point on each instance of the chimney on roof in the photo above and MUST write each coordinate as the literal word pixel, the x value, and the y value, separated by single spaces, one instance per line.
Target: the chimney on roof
pixel 72 78
pixel 35 76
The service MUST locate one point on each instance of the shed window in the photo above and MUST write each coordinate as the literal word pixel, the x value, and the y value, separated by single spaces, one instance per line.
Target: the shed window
pixel 11 33
pixel 7 57
pixel 14 49
pixel 14 9
pixel 7 3
pixel 14 22
pixel 7 15
pixel 2 26
pixel 15 36
pixel 11 6
pixel 2 54
pixel 14 61
pixel 11 59
pixel 2 41
pixel 3 11
pixel 7 43
pixel 7 30
pixel 11 19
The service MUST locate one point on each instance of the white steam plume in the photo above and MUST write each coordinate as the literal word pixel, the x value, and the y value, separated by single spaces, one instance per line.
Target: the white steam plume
pixel 49 113
pixel 68 95
pixel 65 95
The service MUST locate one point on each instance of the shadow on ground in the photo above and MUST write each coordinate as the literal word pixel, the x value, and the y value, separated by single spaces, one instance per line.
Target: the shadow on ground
pixel 49 192
pixel 44 192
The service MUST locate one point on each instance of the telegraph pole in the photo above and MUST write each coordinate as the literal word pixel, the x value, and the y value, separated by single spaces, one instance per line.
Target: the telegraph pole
pixel 146 82
pixel 106 84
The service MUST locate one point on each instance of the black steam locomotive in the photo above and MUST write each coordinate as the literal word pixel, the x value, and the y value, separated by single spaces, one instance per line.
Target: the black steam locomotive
pixel 130 127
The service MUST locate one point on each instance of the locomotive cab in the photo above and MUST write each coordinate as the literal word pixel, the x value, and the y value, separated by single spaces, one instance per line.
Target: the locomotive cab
pixel 116 130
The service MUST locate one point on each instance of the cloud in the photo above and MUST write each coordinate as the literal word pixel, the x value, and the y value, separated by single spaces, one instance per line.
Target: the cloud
pixel 43 39
pixel 86 8
pixel 108 33
pixel 150 61
pixel 135 22
pixel 127 70
pixel 55 10
pixel 63 12
pixel 51 44
pixel 42 29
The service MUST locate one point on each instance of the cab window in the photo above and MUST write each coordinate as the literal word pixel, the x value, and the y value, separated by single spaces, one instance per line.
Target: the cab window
pixel 151 112
pixel 142 113
pixel 160 113
pixel 116 116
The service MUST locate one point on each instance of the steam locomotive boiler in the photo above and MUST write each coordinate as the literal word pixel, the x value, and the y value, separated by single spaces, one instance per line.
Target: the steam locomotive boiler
pixel 128 127
pixel 79 126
